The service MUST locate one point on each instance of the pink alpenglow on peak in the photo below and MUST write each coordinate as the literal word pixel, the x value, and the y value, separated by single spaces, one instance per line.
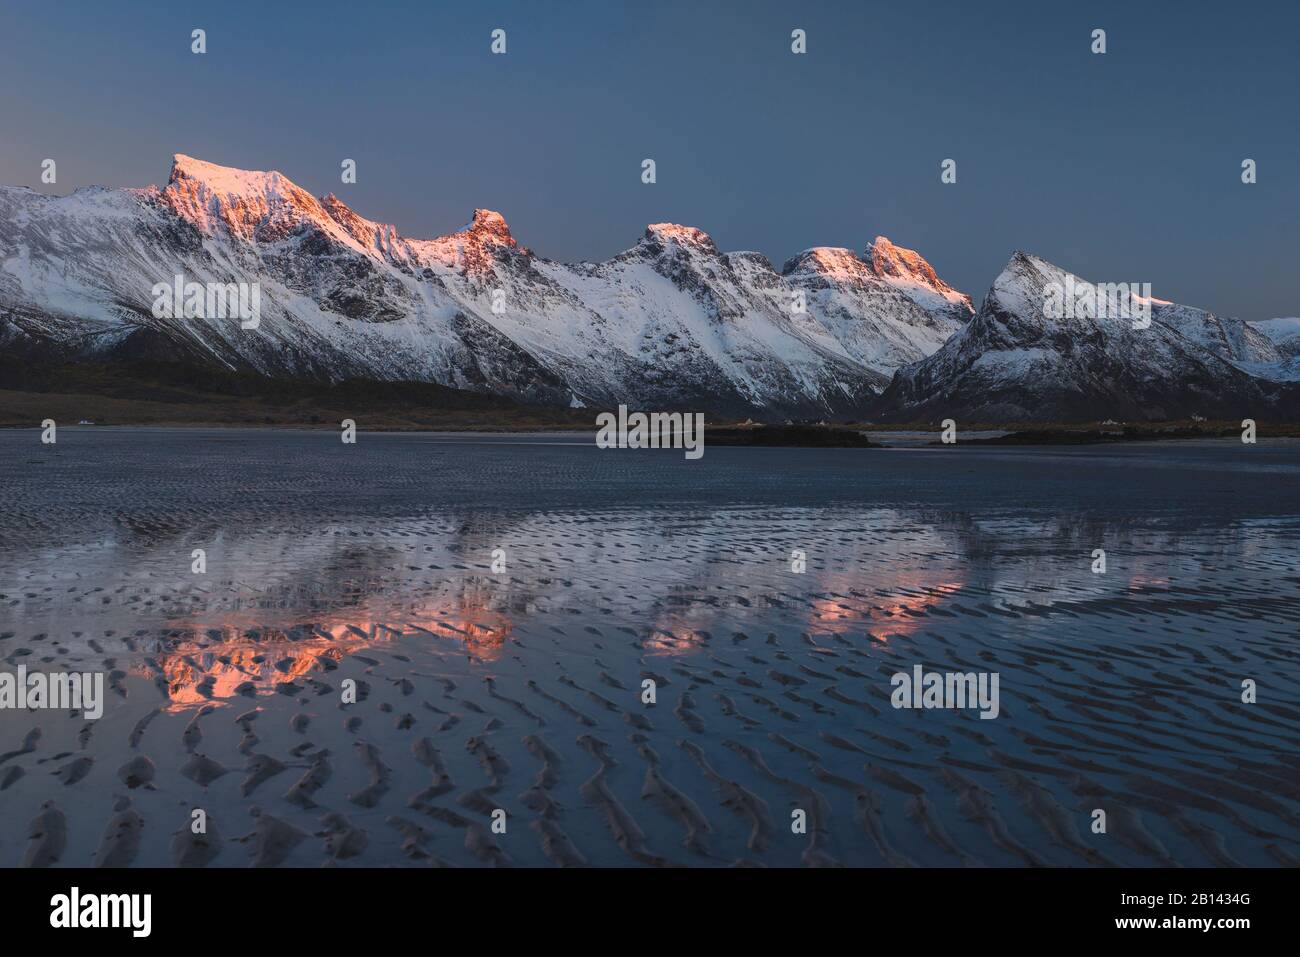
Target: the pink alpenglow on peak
pixel 888 259
pixel 671 321
pixel 224 180
pixel 665 233
pixel 267 207
pixel 489 226
pixel 367 234
pixel 254 205
pixel 477 248
pixel 833 262
pixel 908 272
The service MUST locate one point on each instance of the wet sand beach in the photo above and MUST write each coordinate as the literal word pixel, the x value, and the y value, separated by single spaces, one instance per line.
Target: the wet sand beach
pixel 520 688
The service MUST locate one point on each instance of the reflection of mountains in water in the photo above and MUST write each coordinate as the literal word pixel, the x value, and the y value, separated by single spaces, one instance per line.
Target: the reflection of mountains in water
pixel 668 578
pixel 237 659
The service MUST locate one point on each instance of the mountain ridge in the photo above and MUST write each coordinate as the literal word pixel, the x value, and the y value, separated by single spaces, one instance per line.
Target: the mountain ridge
pixel 1014 362
pixel 671 320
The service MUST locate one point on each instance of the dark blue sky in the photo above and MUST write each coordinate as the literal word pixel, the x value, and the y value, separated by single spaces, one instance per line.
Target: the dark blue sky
pixel 1123 167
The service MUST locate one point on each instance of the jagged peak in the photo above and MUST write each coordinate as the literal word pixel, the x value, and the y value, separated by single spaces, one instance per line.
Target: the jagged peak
pixel 487 219
pixel 910 273
pixel 476 248
pixel 1021 268
pixel 1020 288
pixel 827 260
pixel 889 260
pixel 750 258
pixel 664 234
pixel 1019 285
pixel 340 211
pixel 249 203
pixel 1027 259
pixel 227 179
pixel 1022 264
pixel 487 225
pixel 364 232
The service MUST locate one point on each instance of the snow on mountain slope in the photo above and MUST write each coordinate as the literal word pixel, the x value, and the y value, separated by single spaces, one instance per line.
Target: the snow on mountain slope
pixel 908 272
pixel 78 274
pixel 692 318
pixel 1231 339
pixel 1283 333
pixel 671 321
pixel 1012 362
pixel 877 324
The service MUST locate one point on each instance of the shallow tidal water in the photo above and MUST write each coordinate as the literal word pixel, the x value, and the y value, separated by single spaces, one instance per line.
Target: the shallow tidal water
pixel 520 688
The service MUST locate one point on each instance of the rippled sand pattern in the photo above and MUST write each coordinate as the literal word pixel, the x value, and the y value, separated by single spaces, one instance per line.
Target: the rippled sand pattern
pixel 521 691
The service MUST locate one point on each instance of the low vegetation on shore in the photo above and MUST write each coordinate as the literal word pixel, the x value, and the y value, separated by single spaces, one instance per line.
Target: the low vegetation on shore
pixel 155 393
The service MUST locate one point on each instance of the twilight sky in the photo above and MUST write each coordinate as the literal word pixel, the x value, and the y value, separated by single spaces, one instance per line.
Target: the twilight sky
pixel 1123 167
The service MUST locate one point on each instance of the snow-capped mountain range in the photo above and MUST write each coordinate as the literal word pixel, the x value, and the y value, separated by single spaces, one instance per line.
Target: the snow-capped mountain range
pixel 671 322
pixel 1015 363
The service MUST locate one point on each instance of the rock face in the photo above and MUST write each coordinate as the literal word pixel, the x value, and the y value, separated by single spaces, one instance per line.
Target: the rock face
pixel 1014 363
pixel 906 271
pixel 671 322
pixel 876 323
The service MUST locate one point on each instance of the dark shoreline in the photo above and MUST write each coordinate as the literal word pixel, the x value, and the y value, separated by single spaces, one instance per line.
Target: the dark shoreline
pixel 143 393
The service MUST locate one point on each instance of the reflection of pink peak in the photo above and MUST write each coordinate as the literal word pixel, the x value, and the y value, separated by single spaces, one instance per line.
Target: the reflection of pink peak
pixel 1141 582
pixel 898 612
pixel 213 674
pixel 904 610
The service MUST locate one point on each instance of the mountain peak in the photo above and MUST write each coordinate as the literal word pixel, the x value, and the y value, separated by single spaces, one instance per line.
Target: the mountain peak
pixel 664 234
pixel 1025 358
pixel 489 226
pixel 833 262
pixel 1018 288
pixel 889 260
pixel 249 203
pixel 477 248
pixel 909 272
pixel 223 179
